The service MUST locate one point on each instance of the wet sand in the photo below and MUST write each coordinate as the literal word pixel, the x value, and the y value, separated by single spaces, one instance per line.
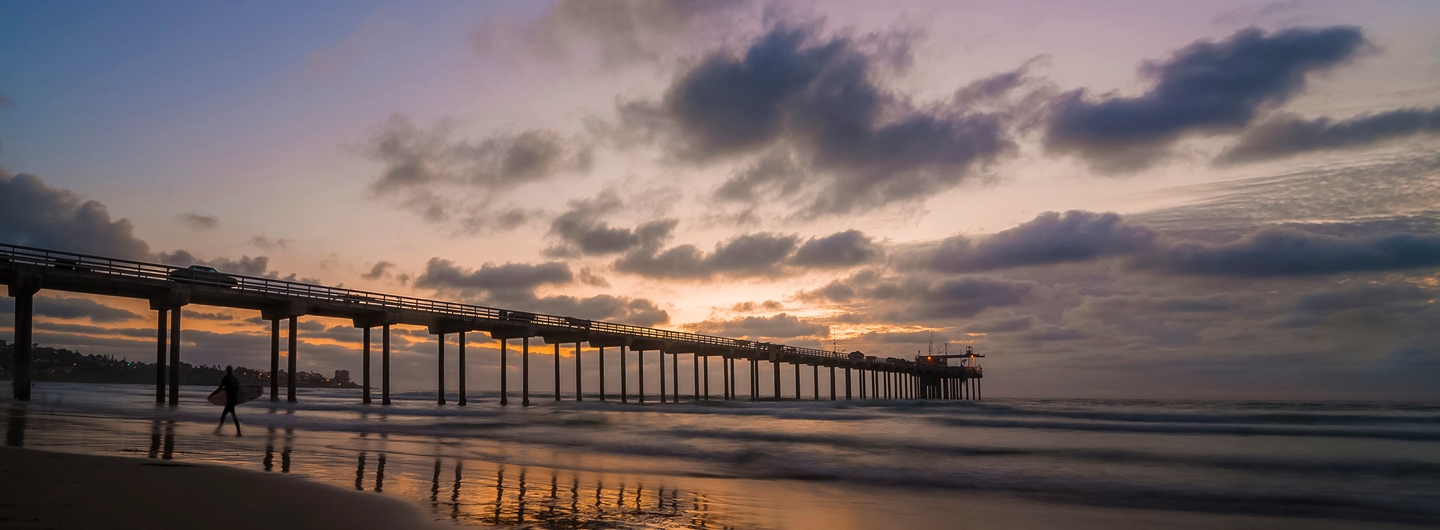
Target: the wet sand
pixel 41 489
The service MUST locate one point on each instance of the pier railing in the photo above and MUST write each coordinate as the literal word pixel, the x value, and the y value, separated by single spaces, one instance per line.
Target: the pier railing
pixel 61 261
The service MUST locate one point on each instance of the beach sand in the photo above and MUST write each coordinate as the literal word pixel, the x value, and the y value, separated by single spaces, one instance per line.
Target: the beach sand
pixel 40 489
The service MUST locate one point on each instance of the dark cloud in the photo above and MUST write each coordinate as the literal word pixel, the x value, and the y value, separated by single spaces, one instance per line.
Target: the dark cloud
pixel 996 88
pixel 966 297
pixel 1291 135
pixel 900 337
pixel 1206 87
pixel 77 308
pixel 1004 324
pixel 199 315
pixel 378 270
pixel 266 243
pixel 453 180
pixel 750 307
pixel 33 213
pixel 616 32
pixel 245 266
pixel 1285 251
pixel 198 221
pixel 1049 238
pixel 633 311
pixel 762 254
pixel 907 298
pixel 1383 304
pixel 781 326
pixel 582 232
pixel 841 249
pixel 443 275
pixel 811 101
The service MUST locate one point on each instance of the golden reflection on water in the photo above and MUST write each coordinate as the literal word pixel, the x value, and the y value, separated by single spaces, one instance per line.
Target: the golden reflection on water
pixel 467 491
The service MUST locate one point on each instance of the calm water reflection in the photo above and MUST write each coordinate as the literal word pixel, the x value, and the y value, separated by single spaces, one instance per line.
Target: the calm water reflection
pixel 466 491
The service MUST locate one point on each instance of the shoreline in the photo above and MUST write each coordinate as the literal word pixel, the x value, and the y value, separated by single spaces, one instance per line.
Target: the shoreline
pixel 44 489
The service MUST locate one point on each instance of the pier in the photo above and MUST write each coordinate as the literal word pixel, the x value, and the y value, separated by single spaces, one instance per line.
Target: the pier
pixel 27 270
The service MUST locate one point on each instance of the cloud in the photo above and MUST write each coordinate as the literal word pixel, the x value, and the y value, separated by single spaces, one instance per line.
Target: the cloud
pixel 81 308
pixel 581 232
pixel 1206 87
pixel 34 214
pixel 616 32
pixel 454 180
pixel 1290 135
pixel 1286 251
pixel 841 249
pixel 876 296
pixel 759 255
pixel 378 270
pixel 197 221
pixel 265 243
pixel 747 255
pixel 443 275
pixel 245 266
pixel 810 104
pixel 1049 238
pixel 781 326
pixel 198 315
pixel 633 311
pixel 750 307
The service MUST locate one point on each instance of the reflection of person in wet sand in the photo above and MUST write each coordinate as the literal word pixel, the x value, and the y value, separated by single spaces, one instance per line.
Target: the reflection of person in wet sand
pixel 232 396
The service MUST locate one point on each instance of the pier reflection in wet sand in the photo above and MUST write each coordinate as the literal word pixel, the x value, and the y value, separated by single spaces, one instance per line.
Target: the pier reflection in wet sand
pixel 480 492
pixel 485 493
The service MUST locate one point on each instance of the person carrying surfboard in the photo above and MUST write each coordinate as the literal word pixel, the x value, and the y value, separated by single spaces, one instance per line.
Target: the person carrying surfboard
pixel 231 386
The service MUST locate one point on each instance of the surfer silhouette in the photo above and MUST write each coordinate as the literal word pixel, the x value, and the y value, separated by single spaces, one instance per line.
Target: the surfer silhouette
pixel 231 385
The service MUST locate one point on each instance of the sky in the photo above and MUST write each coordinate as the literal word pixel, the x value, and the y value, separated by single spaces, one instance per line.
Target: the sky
pixel 1217 200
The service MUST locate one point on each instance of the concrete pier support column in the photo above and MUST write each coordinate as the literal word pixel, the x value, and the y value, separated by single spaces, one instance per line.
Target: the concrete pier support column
pixel 640 374
pixel 707 378
pixel 674 376
pixel 578 393
pixel 663 397
pixel 174 356
pixel 980 397
pixel 385 365
pixel 602 373
pixel 847 383
pixel 797 381
pixel 832 382
pixel 504 390
pixel 23 289
pixel 815 382
pixel 365 365
pixel 440 370
pixel 525 371
pixel 725 377
pixel 776 366
pixel 754 379
pixel 695 366
pixel 557 371
pixel 290 378
pixel 624 386
pixel 161 335
pixel 461 371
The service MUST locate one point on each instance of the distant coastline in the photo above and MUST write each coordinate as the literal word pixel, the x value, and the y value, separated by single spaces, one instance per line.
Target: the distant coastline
pixel 63 365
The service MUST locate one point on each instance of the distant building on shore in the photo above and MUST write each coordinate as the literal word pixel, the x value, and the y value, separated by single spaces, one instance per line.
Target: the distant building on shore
pixel 342 377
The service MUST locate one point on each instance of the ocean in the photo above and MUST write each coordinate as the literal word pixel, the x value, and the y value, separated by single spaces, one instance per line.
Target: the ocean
pixel 1001 463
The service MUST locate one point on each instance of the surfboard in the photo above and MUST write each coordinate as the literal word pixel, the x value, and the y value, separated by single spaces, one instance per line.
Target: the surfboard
pixel 246 393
